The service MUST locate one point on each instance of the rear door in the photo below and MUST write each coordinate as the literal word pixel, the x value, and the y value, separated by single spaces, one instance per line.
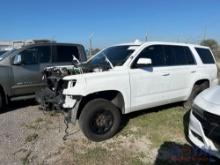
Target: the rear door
pixel 182 66
pixel 64 54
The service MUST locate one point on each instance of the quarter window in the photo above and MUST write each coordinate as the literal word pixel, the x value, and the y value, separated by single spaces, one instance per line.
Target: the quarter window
pixel 205 55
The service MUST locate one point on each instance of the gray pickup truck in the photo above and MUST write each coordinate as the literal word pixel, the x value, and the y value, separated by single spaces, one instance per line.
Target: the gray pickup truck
pixel 21 69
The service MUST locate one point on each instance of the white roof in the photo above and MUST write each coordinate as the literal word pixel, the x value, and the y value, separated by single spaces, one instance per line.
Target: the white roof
pixel 161 43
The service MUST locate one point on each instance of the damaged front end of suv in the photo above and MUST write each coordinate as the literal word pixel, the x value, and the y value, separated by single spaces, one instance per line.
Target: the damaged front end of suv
pixel 91 92
pixel 53 97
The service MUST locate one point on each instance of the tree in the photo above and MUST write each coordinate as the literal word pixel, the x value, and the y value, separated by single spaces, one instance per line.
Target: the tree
pixel 213 44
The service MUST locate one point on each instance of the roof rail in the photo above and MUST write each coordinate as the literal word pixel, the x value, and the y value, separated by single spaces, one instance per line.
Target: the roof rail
pixel 20 43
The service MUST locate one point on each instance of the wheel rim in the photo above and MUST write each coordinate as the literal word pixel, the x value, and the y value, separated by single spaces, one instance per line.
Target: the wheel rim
pixel 101 122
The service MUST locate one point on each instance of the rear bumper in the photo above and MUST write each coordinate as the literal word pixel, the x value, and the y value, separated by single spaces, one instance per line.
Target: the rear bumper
pixel 198 137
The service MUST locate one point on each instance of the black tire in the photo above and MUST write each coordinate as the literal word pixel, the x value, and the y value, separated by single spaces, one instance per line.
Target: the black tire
pixel 2 101
pixel 100 120
pixel 197 89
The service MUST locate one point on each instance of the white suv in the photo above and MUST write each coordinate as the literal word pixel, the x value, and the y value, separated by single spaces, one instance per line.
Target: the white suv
pixel 131 77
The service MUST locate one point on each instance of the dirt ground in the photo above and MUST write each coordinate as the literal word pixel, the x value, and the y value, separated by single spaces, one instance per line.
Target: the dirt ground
pixel 30 136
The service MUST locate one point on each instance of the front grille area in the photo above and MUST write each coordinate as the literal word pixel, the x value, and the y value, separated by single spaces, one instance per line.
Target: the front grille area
pixel 62 84
pixel 210 124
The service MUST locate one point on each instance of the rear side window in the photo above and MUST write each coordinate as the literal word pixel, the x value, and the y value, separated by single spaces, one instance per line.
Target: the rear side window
pixel 65 53
pixel 178 55
pixel 44 53
pixel 205 55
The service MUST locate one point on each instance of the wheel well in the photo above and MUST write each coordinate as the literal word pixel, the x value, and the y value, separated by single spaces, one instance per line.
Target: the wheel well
pixel 200 82
pixel 114 96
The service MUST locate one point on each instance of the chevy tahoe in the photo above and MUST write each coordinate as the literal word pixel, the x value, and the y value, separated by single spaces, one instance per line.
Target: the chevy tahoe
pixel 131 77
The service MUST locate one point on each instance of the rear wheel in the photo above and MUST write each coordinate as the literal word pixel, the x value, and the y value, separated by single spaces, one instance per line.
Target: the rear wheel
pixel 100 120
pixel 196 90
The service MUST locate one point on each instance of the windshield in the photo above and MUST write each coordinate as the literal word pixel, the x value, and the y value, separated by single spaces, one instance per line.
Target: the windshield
pixel 2 52
pixel 116 55
pixel 6 53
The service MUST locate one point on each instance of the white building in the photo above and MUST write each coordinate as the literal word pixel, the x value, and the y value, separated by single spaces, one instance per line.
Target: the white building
pixel 7 45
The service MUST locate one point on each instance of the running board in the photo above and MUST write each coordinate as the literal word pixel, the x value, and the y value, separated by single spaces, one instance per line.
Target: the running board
pixel 22 98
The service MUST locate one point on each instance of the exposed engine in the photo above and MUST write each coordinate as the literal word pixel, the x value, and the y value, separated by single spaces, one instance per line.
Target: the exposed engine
pixel 51 98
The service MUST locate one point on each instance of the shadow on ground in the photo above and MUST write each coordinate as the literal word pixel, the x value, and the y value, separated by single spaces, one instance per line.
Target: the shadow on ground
pixel 174 153
pixel 16 105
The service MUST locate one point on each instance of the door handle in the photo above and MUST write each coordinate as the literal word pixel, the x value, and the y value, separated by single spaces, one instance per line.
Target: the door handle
pixel 166 74
pixel 193 71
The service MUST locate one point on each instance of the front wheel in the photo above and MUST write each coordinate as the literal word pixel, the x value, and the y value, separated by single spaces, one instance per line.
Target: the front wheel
pixel 100 120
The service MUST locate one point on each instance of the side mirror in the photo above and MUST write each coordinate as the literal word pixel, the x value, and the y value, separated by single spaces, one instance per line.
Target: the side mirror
pixel 144 61
pixel 17 60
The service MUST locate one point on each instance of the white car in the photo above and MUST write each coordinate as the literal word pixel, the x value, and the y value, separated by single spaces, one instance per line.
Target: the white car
pixel 204 127
pixel 130 77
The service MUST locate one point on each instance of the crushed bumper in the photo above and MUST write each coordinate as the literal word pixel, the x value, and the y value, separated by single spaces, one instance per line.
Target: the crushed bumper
pixel 198 137
pixel 49 100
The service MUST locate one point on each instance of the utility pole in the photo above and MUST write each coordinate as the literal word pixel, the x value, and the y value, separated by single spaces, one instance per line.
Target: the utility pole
pixel 90 44
pixel 146 36
pixel 205 32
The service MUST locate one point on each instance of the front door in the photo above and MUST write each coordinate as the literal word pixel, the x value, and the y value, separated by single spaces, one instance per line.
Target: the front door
pixel 149 85
pixel 28 75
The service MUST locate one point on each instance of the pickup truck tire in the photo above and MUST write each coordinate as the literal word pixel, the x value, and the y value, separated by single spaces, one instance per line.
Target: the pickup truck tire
pixel 197 89
pixel 1 101
pixel 100 120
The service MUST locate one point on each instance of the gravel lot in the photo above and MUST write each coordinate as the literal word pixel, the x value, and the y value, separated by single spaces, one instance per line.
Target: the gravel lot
pixel 29 135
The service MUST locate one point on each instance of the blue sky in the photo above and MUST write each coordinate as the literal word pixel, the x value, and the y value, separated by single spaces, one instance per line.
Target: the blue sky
pixel 112 21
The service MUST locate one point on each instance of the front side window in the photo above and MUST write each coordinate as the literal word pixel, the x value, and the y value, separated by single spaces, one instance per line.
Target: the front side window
pixel 155 53
pixel 170 56
pixel 180 54
pixel 29 56
pixel 66 53
pixel 205 55
pixel 44 54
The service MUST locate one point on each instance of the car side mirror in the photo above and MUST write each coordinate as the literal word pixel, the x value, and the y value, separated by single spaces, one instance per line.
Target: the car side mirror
pixel 144 62
pixel 17 60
